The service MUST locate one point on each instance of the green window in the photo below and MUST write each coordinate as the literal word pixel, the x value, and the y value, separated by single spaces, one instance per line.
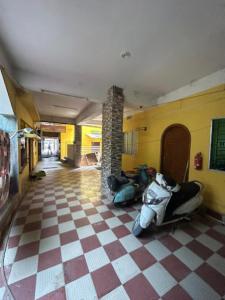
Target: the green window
pixel 217 153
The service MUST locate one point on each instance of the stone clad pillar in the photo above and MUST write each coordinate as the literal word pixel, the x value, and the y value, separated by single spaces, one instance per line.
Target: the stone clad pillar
pixel 77 141
pixel 112 134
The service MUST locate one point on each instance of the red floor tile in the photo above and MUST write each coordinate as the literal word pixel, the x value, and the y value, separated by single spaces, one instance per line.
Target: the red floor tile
pixel 49 259
pixel 91 211
pixel 114 250
pixel 90 243
pixel 121 231
pixel 212 277
pixel 75 268
pixel 61 205
pixel 75 208
pixel 175 267
pixel 171 243
pixel 68 237
pixel 32 226
pixel 100 226
pixel 35 211
pixel 50 202
pixel 143 258
pixel 199 249
pixel 107 214
pixel 216 235
pixel 138 288
pixel 55 295
pixel 49 214
pixel 13 241
pixel 191 230
pixel 105 280
pixel 64 218
pixel 20 221
pixel 27 250
pixel 221 251
pixel 24 289
pixel 125 218
pixel 176 293
pixel 49 231
pixel 81 222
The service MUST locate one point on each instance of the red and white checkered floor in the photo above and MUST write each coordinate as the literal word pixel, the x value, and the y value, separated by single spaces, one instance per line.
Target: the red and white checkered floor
pixel 67 244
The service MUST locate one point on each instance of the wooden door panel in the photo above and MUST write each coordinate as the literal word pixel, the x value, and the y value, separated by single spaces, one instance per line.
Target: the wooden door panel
pixel 175 152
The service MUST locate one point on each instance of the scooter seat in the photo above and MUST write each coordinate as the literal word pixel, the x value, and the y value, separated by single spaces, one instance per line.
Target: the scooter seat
pixel 187 191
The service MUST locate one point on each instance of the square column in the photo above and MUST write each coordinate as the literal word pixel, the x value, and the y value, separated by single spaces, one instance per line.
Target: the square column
pixel 77 142
pixel 112 134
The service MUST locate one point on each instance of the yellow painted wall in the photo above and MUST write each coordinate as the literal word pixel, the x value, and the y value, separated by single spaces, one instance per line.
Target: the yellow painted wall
pixel 87 140
pixel 195 113
pixel 65 139
pixel 17 98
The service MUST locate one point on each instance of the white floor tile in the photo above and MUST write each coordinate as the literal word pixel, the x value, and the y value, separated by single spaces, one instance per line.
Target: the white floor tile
pixel 23 268
pixel 129 225
pixel 49 280
pixel 63 211
pixel 189 258
pixel 85 231
pixel 10 255
pixel 29 237
pixel 87 205
pixel 220 229
pixel 106 237
pixel 157 249
pixel 49 243
pixel 118 294
pixel 198 289
pixel 102 208
pixel 2 292
pixel 130 242
pixel 49 222
pixel 200 226
pixel 95 218
pixel 96 259
pixel 125 268
pixel 218 263
pixel 78 215
pixel 113 222
pixel 209 242
pixel 159 278
pixel 81 289
pixel 33 218
pixel 181 236
pixel 49 208
pixel 71 250
pixel 16 230
pixel 66 226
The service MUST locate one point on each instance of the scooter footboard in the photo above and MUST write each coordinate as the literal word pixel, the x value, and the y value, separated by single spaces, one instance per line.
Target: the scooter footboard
pixel 147 216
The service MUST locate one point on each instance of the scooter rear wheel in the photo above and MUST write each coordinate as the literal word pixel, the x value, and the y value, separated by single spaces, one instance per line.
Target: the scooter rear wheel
pixel 137 229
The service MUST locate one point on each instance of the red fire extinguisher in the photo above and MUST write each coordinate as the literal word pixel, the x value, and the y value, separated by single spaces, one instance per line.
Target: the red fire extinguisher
pixel 198 161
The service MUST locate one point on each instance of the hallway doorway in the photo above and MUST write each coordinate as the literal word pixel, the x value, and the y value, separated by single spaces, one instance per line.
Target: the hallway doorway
pixel 50 147
pixel 175 152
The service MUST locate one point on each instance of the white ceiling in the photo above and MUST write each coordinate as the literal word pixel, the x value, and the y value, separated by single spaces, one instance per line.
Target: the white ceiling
pixel 58 105
pixel 74 46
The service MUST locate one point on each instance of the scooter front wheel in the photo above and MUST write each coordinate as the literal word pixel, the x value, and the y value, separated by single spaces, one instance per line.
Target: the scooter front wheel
pixel 137 229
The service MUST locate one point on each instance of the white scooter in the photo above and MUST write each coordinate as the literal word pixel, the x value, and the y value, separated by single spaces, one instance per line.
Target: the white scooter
pixel 165 201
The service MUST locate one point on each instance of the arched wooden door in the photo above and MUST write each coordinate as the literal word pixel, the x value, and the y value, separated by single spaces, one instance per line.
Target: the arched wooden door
pixel 175 152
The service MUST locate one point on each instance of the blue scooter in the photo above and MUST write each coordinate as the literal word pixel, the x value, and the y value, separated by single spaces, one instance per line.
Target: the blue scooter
pixel 128 188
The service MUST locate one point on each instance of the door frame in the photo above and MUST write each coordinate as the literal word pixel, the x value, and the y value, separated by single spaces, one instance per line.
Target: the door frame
pixel 162 142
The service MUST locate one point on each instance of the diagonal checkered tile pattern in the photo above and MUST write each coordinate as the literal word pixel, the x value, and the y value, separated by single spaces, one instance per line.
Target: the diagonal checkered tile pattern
pixel 67 243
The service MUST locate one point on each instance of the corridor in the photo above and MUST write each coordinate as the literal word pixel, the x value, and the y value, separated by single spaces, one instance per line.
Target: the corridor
pixel 67 243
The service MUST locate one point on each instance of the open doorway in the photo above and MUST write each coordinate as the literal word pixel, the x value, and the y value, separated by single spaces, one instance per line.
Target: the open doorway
pixel 175 152
pixel 50 148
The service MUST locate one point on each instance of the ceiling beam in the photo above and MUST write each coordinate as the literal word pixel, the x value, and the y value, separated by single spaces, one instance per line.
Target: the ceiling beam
pixel 91 111
pixel 55 119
